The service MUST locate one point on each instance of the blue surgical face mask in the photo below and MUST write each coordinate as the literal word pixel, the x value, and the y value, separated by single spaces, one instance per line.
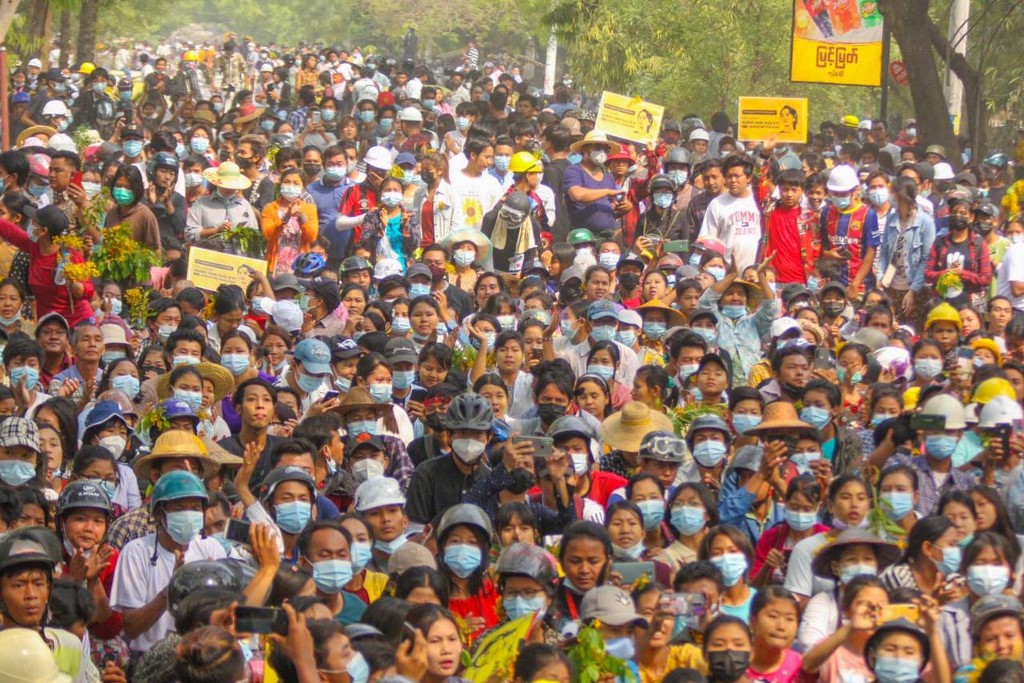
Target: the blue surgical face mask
pixel 335 173
pixel 389 547
pixel 940 446
pixel 742 422
pixel 708 334
pixel 679 177
pixel 365 115
pixel 199 145
pixel 800 521
pixel 400 326
pixel 109 487
pixel 236 363
pixel 628 554
pixel 357 668
pixel 896 670
pixel 184 525
pixel 627 337
pixel 605 372
pixel 603 333
pixel 566 328
pixel 292 517
pixel 194 399
pixel 330 576
pixel 386 124
pixel 620 648
pixel 109 357
pixel 177 361
pixel 653 512
pixel 132 148
pixel 688 520
pixel 816 416
pixel 900 504
pixel 663 200
pixel 418 289
pixel 717 272
pixel 343 384
pixel 813 284
pixel 361 553
pixel 403 379
pixel 842 203
pixel 308 383
pixel 709 453
pixel 803 460
pixel 381 393
pixel 462 123
pixel 328 115
pixel 127 385
pixel 521 606
pixel 928 368
pixel 734 312
pixel 851 571
pixel 987 579
pixel 575 158
pixel 507 322
pixel 16 472
pixel 732 566
pixel 29 374
pixel 357 427
pixel 462 559
pixel 655 330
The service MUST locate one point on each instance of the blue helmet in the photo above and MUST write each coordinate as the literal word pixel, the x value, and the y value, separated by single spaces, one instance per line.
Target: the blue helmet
pixel 177 485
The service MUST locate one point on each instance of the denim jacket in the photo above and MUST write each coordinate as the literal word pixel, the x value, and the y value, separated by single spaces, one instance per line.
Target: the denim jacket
pixel 741 338
pixel 917 245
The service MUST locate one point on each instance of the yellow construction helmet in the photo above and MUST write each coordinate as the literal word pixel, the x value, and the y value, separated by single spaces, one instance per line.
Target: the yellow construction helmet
pixel 191 56
pixel 943 313
pixel 524 162
pixel 851 121
pixel 992 387
pixel 86 68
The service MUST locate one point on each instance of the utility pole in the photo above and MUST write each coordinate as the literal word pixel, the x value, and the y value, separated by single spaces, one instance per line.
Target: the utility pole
pixel 959 25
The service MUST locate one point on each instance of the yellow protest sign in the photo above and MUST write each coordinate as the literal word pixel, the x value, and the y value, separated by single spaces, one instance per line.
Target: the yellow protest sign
pixel 764 118
pixel 210 269
pixel 496 652
pixel 629 118
pixel 836 41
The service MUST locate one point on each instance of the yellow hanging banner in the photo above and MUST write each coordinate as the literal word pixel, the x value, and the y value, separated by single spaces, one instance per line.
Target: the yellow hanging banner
pixel 495 654
pixel 837 42
pixel 629 118
pixel 764 118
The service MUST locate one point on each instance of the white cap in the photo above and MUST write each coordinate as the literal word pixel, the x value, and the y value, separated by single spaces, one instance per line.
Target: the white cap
pixel 379 157
pixel 286 314
pixel 699 134
pixel 386 267
pixel 632 318
pixel 842 178
pixel 36 63
pixel 410 114
pixel 378 492
pixel 1000 410
pixel 782 326
pixel 865 124
pixel 62 142
pixel 943 171
pixel 56 108
pixel 267 68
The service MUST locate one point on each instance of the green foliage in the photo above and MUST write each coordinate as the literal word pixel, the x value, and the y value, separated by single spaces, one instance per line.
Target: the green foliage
pixel 590 660
pixel 248 240
pixel 120 258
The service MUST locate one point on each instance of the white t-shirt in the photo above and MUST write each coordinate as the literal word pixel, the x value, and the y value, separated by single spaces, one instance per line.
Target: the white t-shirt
pixel 474 196
pixel 799 577
pixel 137 580
pixel 736 221
pixel 1011 270
pixel 819 621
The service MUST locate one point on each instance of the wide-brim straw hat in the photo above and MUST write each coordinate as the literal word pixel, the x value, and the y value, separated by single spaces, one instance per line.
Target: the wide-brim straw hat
pixel 626 429
pixel 228 176
pixel 475 237
pixel 594 137
pixel 781 416
pixel 675 318
pixel 359 397
pixel 886 552
pixel 223 381
pixel 176 443
pixel 32 131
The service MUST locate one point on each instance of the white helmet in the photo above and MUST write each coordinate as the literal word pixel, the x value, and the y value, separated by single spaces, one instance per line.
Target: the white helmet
pixel 842 178
pixel 949 407
pixel 999 412
pixel 699 134
pixel 28 658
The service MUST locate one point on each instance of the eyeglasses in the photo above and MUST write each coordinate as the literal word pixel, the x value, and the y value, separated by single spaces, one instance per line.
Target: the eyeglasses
pixel 528 594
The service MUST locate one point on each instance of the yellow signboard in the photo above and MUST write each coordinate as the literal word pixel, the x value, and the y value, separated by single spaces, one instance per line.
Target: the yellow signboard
pixel 764 118
pixel 837 42
pixel 629 118
pixel 211 269
pixel 497 651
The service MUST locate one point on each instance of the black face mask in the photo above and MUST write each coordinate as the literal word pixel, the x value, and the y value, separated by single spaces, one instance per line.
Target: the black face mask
pixel 833 308
pixel 791 392
pixel 436 421
pixel 311 170
pixel 727 666
pixel 146 369
pixel 958 223
pixel 521 481
pixel 630 281
pixel 549 412
pixel 428 177
pixel 982 229
pixel 243 163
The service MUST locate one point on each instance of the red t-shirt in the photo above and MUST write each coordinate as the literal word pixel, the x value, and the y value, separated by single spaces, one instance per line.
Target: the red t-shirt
pixel 112 626
pixel 784 242
pixel 483 604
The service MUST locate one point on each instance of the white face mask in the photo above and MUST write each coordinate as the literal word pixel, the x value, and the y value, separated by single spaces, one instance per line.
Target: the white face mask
pixel 468 450
pixel 367 468
pixel 114 444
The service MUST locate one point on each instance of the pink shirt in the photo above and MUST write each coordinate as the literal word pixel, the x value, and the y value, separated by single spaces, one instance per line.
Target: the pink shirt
pixel 788 672
pixel 845 666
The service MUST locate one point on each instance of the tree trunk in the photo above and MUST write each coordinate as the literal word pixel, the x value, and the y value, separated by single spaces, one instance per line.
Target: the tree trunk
pixel 87 31
pixel 910 26
pixel 38 30
pixel 65 38
pixel 8 8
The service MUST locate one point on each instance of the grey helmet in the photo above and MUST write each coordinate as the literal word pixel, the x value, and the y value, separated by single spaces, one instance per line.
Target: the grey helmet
pixel 677 155
pixel 84 494
pixel 470 411
pixel 530 560
pixel 465 514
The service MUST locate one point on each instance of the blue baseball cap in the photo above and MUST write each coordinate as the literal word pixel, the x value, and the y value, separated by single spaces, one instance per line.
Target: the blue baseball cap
pixel 314 356
pixel 602 309
pixel 102 413
pixel 174 408
pixel 405 158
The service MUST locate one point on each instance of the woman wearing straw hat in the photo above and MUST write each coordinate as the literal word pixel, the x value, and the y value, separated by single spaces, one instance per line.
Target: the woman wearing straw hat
pixel 223 209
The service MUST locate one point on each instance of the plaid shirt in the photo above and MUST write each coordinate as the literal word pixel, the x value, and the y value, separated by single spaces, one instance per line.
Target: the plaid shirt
pixel 297 119
pixel 928 492
pixel 615 463
pixel 976 272
pixel 135 524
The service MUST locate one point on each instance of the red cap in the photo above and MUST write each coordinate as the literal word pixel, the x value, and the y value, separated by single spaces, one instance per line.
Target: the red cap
pixel 385 99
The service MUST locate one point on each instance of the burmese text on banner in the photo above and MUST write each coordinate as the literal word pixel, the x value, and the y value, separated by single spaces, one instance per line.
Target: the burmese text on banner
pixel 763 118
pixel 837 42
pixel 629 118
pixel 211 269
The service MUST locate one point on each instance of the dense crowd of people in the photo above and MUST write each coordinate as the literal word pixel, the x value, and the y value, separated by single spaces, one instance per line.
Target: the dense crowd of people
pixel 511 399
